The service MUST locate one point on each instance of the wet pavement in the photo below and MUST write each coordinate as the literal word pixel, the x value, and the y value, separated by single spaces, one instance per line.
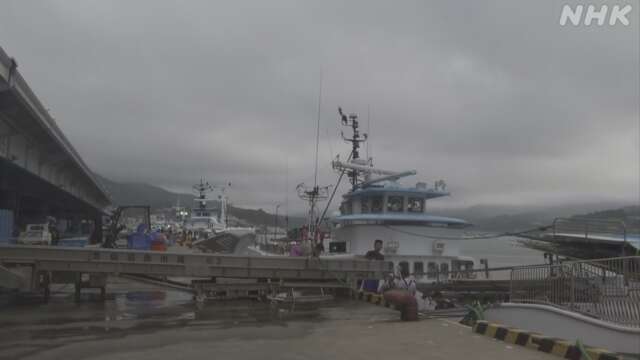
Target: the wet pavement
pixel 141 321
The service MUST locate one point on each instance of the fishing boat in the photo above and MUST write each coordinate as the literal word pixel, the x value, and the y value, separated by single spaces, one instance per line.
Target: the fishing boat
pixel 206 218
pixel 378 207
pixel 208 222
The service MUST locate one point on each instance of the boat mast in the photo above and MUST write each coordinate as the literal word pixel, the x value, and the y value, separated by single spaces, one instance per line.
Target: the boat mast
pixel 202 189
pixel 223 214
pixel 352 121
pixel 359 170
pixel 316 193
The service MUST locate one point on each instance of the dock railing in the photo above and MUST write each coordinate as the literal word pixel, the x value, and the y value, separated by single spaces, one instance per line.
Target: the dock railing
pixel 589 227
pixel 592 228
pixel 607 289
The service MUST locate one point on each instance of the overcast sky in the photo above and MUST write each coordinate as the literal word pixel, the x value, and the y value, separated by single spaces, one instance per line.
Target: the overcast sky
pixel 495 97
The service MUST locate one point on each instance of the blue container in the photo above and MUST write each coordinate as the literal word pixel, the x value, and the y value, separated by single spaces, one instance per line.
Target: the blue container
pixel 73 242
pixel 6 227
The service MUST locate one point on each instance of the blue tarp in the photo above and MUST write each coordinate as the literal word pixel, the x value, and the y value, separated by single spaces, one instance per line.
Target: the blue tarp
pixel 370 285
pixel 73 242
pixel 139 240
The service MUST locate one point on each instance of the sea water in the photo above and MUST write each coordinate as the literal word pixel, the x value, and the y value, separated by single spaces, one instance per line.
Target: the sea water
pixel 501 251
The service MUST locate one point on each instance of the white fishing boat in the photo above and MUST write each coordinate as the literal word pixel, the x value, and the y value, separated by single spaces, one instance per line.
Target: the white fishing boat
pixel 208 222
pixel 207 215
pixel 379 207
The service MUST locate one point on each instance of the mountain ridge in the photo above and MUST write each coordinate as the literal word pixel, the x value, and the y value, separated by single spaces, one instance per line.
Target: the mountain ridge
pixel 133 193
pixel 485 217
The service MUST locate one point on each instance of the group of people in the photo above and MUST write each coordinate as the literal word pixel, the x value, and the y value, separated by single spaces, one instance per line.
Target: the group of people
pixel 141 239
pixel 403 280
pixel 186 238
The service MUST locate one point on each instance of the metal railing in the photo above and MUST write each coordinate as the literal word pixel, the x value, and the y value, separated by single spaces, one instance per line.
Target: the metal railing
pixel 442 276
pixel 592 228
pixel 607 289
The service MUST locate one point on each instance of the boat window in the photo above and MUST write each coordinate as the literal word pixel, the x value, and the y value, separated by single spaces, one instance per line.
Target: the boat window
pixel 457 265
pixel 418 268
pixel 415 205
pixel 346 208
pixel 364 205
pixel 432 269
pixel 337 247
pixel 395 204
pixel 444 268
pixel 404 266
pixel 376 204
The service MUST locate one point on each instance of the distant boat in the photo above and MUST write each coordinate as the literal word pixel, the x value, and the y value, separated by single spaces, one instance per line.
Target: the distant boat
pixel 208 223
pixel 205 218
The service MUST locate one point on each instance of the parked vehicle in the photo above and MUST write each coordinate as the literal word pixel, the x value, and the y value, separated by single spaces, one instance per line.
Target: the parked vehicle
pixel 35 234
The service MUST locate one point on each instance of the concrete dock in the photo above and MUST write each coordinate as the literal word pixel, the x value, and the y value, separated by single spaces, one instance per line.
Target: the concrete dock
pixel 155 323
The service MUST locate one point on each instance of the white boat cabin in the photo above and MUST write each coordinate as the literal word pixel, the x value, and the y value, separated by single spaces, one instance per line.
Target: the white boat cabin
pixel 426 245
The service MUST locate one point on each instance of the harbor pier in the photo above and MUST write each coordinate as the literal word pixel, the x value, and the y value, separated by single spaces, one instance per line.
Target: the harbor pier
pixel 88 267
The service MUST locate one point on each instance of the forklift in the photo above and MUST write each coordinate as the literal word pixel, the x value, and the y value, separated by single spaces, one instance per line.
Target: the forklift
pixel 114 226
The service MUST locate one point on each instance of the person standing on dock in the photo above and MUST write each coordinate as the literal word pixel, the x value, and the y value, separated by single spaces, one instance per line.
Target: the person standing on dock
pixel 407 282
pixel 53 230
pixel 375 254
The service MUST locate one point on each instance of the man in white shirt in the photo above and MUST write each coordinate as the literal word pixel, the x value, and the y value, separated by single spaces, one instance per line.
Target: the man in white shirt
pixel 405 281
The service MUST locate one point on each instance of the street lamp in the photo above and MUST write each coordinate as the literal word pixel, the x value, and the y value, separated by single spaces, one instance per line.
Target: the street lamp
pixel 275 230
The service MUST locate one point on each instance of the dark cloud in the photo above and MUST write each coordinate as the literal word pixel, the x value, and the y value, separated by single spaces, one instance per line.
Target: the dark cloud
pixel 495 97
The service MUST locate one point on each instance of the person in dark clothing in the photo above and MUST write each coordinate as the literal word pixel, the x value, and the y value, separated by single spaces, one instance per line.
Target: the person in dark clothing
pixel 375 254
pixel 55 235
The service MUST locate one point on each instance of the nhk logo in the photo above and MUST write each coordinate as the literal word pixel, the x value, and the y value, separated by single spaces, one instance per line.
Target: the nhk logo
pixel 617 15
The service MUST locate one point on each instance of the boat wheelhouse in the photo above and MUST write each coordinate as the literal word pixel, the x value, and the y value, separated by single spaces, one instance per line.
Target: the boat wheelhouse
pixel 379 207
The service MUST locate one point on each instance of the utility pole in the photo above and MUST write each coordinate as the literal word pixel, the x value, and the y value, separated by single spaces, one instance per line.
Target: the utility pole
pixel 275 229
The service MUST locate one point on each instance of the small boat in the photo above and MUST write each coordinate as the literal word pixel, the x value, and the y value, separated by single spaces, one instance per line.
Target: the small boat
pixel 296 297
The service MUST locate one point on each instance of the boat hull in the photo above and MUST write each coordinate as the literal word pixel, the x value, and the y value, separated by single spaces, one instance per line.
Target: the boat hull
pixel 428 253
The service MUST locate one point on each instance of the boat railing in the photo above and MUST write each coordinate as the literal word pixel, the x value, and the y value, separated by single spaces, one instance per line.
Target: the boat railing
pixel 607 289
pixel 590 227
pixel 443 276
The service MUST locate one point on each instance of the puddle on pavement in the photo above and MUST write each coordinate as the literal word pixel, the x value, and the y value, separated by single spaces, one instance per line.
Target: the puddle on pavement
pixel 130 310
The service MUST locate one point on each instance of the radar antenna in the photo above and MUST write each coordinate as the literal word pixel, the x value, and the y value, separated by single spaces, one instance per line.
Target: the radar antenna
pixel 352 121
pixel 201 191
